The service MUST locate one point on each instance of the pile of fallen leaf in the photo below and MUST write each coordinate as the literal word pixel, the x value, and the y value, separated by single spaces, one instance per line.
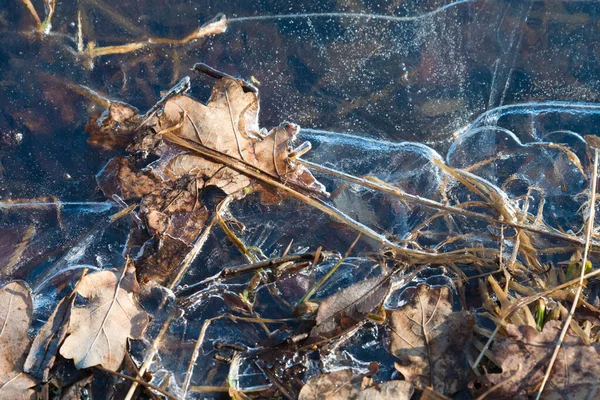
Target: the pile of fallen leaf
pixel 94 334
pixel 181 164
pixel 167 178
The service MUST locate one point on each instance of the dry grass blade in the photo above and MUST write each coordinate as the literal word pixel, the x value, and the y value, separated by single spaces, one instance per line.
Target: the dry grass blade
pixel 394 191
pixel 223 205
pixel 195 352
pixel 586 249
pixel 215 27
pixel 316 287
pixel 316 257
pixel 49 5
pixel 93 51
pixel 523 302
pixel 192 254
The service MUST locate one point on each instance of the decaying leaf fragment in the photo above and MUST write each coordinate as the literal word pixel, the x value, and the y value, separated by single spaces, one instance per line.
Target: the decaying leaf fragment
pixel 16 310
pixel 345 385
pixel 98 331
pixel 390 390
pixel 168 180
pixel 430 340
pixel 524 355
pixel 349 307
pixel 47 341
pixel 339 385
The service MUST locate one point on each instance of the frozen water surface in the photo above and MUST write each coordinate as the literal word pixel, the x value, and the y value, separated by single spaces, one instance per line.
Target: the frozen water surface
pixel 504 90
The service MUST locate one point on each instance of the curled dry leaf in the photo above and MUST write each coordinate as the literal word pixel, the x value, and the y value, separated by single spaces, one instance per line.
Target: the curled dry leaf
pixel 16 310
pixel 98 331
pixel 524 355
pixel 169 188
pixel 345 385
pixel 430 340
pixel 349 307
pixel 46 343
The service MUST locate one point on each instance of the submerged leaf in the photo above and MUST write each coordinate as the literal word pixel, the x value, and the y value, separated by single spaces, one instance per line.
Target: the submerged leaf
pixel 98 331
pixel 339 385
pixel 345 385
pixel 16 311
pixel 524 355
pixel 349 307
pixel 430 340
pixel 391 390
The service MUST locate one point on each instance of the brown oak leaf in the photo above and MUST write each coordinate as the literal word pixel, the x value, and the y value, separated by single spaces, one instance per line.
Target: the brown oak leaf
pixel 430 340
pixel 168 179
pixel 524 355
pixel 98 331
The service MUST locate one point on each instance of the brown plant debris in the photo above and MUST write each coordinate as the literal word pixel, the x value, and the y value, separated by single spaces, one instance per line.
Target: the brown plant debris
pixel 524 353
pixel 430 340
pixel 98 331
pixel 345 385
pixel 347 308
pixel 170 188
pixel 15 316
pixel 47 341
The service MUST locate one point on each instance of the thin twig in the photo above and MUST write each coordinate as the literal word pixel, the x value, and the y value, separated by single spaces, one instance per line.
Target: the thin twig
pixel 199 341
pixel 139 381
pixel 315 257
pixel 149 357
pixel 485 347
pixel 209 389
pixel 191 255
pixel 588 233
